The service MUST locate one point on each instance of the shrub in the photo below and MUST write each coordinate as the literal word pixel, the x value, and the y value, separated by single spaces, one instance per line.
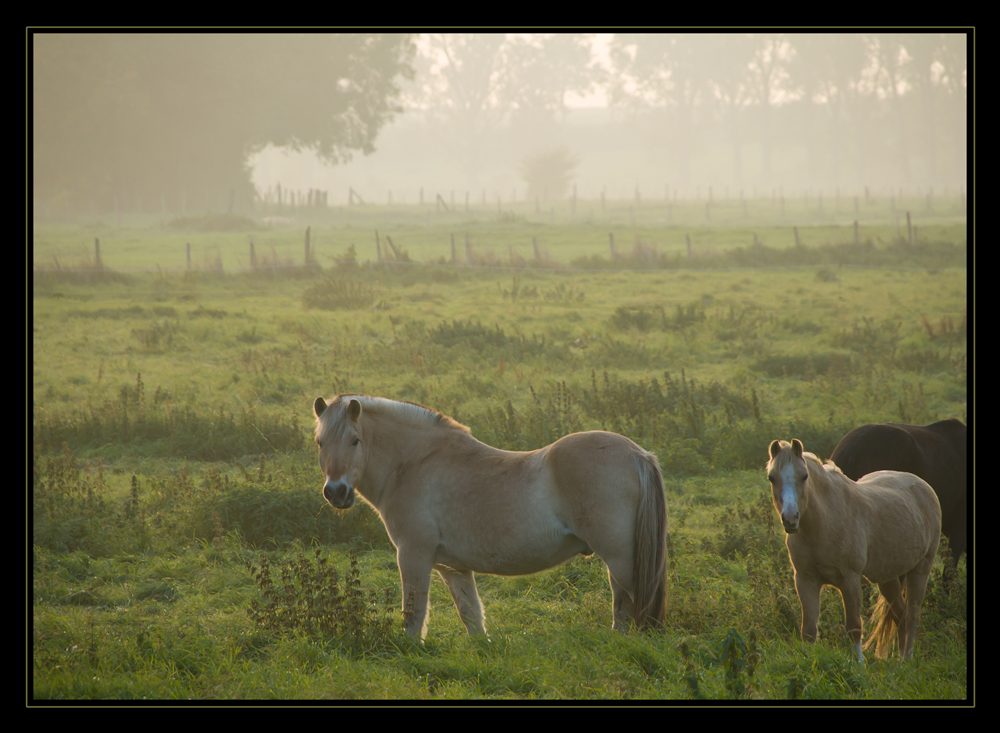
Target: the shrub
pixel 310 597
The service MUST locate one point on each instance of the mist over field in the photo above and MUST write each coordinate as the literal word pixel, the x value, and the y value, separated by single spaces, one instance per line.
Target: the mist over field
pixel 183 123
pixel 704 242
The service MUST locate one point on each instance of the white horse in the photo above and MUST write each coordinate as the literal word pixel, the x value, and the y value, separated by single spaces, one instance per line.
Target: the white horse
pixel 453 504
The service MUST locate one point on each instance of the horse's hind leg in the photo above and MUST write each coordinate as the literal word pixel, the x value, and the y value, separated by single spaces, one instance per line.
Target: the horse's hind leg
pixel 916 586
pixel 463 591
pixel 623 606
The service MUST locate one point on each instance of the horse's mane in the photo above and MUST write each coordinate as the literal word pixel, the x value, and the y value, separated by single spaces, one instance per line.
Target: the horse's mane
pixel 409 412
pixel 828 472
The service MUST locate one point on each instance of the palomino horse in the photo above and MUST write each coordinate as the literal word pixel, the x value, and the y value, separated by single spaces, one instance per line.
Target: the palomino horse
pixel 936 453
pixel 884 528
pixel 453 504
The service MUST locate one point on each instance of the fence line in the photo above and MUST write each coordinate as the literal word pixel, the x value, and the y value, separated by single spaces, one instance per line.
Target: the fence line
pixel 389 264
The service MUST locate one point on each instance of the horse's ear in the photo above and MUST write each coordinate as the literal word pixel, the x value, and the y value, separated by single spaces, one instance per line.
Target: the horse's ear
pixel 773 450
pixel 354 409
pixel 319 406
pixel 797 447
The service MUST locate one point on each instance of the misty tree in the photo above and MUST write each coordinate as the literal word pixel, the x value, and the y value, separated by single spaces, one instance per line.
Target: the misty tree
pixel 768 83
pixel 548 173
pixel 891 59
pixel 851 102
pixel 481 87
pixel 662 75
pixel 828 70
pixel 936 71
pixel 174 118
pixel 727 61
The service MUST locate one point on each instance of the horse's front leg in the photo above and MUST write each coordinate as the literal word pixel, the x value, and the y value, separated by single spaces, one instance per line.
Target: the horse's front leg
pixel 462 585
pixel 807 588
pixel 415 575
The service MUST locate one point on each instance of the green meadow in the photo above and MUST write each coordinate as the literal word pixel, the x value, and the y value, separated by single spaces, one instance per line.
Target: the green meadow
pixel 181 549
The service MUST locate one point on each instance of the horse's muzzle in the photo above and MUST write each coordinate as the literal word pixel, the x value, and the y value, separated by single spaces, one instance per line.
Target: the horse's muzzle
pixel 790 521
pixel 340 495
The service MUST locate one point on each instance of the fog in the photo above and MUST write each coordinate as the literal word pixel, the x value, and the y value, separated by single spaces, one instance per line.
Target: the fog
pixel 189 121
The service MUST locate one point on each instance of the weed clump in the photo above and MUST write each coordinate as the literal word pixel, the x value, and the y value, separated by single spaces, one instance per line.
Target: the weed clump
pixel 339 293
pixel 308 596
pixel 73 511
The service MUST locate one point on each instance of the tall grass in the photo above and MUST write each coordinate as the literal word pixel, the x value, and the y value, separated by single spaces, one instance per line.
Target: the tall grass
pixel 155 510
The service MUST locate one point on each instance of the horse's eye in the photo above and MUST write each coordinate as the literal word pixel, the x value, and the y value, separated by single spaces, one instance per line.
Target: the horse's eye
pixel 356 441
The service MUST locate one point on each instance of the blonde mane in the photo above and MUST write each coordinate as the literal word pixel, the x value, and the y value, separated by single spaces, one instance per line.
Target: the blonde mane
pixel 408 412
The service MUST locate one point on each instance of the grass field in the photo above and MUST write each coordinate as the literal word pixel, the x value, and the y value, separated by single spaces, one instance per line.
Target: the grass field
pixel 181 547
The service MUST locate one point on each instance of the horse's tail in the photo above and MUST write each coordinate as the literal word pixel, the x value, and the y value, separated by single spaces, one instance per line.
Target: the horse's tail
pixel 885 627
pixel 649 570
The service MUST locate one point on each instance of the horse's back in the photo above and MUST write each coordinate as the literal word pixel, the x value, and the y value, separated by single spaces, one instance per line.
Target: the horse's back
pixel 900 491
pixel 903 517
pixel 595 478
pixel 936 453
pixel 594 458
pixel 877 447
pixel 925 450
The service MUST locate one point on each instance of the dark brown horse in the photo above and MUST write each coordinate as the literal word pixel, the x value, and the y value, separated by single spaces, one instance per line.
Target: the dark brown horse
pixel 936 453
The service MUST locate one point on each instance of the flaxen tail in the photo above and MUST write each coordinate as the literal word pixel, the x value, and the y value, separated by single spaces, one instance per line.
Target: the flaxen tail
pixel 650 562
pixel 885 627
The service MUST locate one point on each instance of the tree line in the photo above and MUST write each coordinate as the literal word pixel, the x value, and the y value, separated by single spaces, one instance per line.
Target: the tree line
pixel 149 121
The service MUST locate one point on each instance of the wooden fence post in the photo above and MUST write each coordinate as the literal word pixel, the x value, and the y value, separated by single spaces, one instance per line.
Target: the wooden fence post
pixel 306 261
pixel 253 257
pixel 798 242
pixel 534 245
pixel 909 229
pixel 378 247
pixel 611 236
pixel 857 235
pixel 468 252
pixel 188 248
pixel 453 240
pixel 395 251
pixel 97 254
